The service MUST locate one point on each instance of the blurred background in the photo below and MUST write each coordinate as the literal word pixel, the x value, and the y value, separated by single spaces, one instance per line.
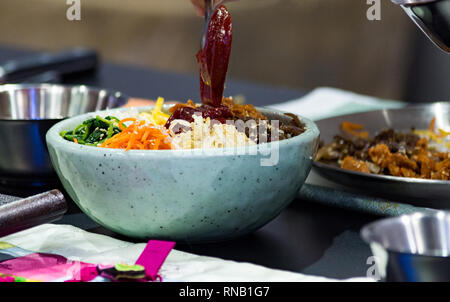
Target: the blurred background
pixel 299 44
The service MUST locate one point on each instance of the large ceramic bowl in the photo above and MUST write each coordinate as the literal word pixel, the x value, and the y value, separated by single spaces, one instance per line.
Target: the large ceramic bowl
pixel 183 195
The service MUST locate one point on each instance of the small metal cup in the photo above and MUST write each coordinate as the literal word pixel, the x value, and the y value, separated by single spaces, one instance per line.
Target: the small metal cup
pixel 27 112
pixel 411 248
pixel 432 17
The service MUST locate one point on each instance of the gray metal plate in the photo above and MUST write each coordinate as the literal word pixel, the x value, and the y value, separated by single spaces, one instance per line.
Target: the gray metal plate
pixel 425 192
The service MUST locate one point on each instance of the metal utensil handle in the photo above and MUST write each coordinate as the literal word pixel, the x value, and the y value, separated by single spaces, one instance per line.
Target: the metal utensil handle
pixel 209 11
pixel 370 205
pixel 64 63
pixel 31 211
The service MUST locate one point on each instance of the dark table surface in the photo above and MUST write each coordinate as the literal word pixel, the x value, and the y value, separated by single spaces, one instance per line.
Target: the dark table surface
pixel 306 237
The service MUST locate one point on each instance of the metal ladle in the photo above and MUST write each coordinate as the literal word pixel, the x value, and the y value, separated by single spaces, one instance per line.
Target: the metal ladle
pixel 432 17
pixel 209 11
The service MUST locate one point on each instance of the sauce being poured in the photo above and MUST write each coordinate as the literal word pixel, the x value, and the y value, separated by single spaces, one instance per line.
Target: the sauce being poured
pixel 214 56
pixel 213 63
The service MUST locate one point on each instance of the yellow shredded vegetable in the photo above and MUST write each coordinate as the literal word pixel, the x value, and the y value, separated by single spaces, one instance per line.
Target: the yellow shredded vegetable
pixel 157 116
pixel 443 132
pixel 433 135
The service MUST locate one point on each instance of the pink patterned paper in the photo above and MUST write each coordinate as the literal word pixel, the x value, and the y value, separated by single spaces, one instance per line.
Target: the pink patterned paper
pixel 42 267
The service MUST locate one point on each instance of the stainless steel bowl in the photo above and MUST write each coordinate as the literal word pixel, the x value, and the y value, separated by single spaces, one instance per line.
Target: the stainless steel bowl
pixel 27 112
pixel 432 17
pixel 411 248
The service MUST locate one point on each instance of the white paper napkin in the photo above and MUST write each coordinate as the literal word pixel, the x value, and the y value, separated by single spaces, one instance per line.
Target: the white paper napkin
pixel 76 244
pixel 326 102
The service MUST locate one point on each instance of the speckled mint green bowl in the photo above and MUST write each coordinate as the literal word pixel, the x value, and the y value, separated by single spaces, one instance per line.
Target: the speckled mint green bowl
pixel 182 195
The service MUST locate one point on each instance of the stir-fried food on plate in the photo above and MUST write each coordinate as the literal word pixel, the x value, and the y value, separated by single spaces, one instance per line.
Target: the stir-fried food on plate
pixel 415 153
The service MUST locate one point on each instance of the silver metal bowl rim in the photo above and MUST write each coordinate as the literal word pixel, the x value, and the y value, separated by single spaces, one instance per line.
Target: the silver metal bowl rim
pixel 321 165
pixel 417 106
pixel 412 2
pixel 393 179
pixel 16 87
pixel 367 237
pixel 311 133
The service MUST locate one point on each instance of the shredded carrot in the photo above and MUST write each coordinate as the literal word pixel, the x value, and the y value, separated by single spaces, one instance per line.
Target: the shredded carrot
pixel 441 133
pixel 146 134
pixel 140 146
pixel 432 124
pixel 138 136
pixel 75 141
pixel 156 143
pixel 122 126
pixel 354 129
